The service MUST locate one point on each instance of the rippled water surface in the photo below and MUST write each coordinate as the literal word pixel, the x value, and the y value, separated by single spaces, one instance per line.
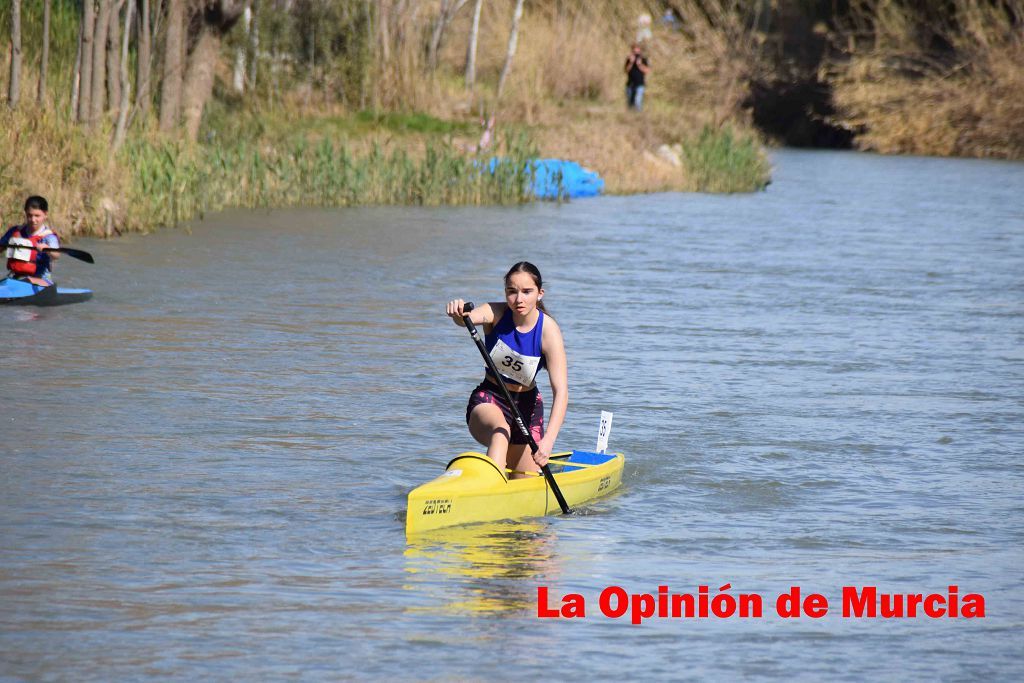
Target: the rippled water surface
pixel 203 470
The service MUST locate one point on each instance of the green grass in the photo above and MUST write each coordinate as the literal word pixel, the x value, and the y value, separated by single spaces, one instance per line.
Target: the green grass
pixel 720 160
pixel 173 182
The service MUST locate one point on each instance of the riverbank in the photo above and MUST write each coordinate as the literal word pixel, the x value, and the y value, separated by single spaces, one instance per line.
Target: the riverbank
pixel 260 159
pixel 345 106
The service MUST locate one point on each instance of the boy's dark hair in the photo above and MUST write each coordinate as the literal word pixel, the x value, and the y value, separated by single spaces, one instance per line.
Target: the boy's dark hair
pixel 37 202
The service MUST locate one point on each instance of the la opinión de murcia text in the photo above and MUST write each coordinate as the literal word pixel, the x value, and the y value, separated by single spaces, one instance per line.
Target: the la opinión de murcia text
pixel 858 602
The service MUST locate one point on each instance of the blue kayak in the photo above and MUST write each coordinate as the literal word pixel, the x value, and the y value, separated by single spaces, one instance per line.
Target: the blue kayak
pixel 14 292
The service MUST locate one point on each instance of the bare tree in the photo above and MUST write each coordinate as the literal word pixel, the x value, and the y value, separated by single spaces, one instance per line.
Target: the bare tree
pixel 214 21
pixel 447 12
pixel 114 56
pixel 99 49
pixel 143 70
pixel 238 76
pixel 254 44
pixel 14 85
pixel 513 37
pixel 85 82
pixel 170 91
pixel 44 58
pixel 126 84
pixel 471 50
pixel 76 77
pixel 383 29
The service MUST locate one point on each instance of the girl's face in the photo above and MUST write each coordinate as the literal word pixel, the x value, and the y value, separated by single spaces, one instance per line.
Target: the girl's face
pixel 522 293
pixel 35 218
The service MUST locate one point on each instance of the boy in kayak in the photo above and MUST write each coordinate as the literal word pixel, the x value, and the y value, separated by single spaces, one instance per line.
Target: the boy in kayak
pixel 25 243
pixel 521 340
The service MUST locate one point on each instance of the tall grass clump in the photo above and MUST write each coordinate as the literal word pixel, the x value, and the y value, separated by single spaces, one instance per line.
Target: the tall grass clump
pixel 173 182
pixel 721 160
pixel 43 155
pixel 910 80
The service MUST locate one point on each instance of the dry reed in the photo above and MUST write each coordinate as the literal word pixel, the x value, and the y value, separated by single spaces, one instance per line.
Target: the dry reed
pixel 904 96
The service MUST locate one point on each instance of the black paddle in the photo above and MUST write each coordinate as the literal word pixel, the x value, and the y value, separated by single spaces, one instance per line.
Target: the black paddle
pixel 73 253
pixel 467 307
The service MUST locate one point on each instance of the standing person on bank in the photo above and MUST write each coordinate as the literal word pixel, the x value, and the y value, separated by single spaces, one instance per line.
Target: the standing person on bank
pixel 25 243
pixel 521 340
pixel 636 69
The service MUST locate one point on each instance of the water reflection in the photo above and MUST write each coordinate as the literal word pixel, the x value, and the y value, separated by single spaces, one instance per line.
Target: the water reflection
pixel 481 568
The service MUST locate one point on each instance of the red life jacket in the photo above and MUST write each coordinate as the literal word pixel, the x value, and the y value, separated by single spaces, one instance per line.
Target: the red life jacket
pixel 24 260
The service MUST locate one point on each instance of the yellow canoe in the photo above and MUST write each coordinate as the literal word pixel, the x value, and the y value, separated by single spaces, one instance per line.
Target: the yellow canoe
pixel 473 489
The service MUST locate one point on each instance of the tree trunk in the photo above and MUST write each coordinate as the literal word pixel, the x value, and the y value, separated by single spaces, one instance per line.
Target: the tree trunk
pixel 99 52
pixel 170 92
pixel 14 85
pixel 254 44
pixel 126 84
pixel 238 76
pixel 216 19
pixel 44 59
pixel 114 57
pixel 366 92
pixel 513 38
pixel 76 77
pixel 85 82
pixel 144 68
pixel 471 51
pixel 199 81
pixel 449 8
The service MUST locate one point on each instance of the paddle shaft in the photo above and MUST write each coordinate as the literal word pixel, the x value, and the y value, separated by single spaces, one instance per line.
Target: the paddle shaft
pixel 73 253
pixel 473 332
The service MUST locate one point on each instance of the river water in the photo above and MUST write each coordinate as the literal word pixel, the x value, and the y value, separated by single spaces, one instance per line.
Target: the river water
pixel 204 469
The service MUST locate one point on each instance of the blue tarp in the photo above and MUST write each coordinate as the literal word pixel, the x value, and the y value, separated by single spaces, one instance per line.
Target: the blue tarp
pixel 558 178
pixel 554 178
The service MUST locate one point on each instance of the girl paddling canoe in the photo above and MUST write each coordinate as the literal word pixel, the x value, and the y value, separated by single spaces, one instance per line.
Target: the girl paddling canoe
pixel 521 340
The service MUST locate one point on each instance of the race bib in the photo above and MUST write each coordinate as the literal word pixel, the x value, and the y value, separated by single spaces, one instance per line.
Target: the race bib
pixel 514 365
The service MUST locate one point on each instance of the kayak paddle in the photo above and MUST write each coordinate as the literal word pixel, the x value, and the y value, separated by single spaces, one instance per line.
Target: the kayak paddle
pixel 73 253
pixel 467 307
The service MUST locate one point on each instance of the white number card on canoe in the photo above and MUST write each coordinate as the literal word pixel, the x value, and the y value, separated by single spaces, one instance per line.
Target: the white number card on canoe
pixel 604 431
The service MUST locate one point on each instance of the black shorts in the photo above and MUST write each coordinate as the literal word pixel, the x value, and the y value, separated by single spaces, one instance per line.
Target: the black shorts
pixel 530 404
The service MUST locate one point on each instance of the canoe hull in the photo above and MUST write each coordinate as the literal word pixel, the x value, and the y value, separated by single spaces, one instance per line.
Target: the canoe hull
pixel 473 489
pixel 20 293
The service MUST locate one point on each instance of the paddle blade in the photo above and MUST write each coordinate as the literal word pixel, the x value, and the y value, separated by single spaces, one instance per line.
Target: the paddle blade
pixel 83 255
pixel 74 253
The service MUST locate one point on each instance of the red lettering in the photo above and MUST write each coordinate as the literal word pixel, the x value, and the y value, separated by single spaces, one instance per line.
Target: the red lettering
pixel 788 604
pixel 683 605
pixel 892 606
pixel 643 607
pixel 702 601
pixel 543 611
pixel 574 606
pixel 621 602
pixel 816 605
pixel 935 605
pixel 859 604
pixel 974 605
pixel 751 605
pixel 913 602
